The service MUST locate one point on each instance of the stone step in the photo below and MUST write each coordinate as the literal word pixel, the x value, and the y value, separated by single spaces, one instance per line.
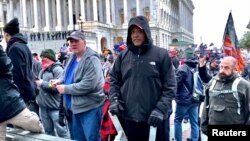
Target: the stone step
pixel 14 134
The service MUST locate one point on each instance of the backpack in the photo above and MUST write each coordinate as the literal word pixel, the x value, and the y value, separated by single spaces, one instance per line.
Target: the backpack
pixel 50 69
pixel 198 87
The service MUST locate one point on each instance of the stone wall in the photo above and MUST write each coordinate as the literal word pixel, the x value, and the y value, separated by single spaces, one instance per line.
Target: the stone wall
pixel 22 135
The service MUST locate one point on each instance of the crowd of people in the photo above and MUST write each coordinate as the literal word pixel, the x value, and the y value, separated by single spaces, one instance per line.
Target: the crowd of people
pixel 70 95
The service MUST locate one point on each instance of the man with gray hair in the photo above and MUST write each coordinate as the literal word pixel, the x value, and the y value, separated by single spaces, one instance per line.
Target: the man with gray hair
pixel 81 85
pixel 227 98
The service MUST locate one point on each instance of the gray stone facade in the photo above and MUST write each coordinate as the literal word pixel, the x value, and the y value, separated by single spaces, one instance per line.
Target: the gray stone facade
pixel 169 19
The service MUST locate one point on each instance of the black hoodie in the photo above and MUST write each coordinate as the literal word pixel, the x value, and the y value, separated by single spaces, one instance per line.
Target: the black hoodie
pixel 143 78
pixel 21 59
pixel 142 23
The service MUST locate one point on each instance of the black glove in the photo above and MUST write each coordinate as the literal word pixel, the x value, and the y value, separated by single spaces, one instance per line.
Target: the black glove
pixel 61 118
pixel 115 107
pixel 61 121
pixel 155 118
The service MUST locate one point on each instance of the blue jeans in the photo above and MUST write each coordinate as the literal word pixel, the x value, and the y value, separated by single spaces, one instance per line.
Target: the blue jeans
pixel 50 120
pixel 86 126
pixel 181 111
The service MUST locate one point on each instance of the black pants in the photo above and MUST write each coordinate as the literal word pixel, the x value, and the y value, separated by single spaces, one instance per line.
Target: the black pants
pixel 139 131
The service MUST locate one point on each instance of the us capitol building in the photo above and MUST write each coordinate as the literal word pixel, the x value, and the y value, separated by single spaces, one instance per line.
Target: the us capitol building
pixel 46 23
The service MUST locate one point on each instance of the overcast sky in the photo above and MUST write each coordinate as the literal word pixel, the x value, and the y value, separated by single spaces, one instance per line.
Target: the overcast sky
pixel 210 17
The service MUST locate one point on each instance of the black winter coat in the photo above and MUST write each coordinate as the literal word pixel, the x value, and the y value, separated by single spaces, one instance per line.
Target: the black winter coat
pixel 10 100
pixel 143 78
pixel 21 59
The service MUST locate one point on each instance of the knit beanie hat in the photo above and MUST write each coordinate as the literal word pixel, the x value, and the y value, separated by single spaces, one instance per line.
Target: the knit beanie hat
pixel 48 53
pixel 188 53
pixel 12 27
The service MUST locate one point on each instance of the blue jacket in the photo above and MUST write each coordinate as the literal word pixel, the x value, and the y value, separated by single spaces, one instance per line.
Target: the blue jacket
pixel 185 82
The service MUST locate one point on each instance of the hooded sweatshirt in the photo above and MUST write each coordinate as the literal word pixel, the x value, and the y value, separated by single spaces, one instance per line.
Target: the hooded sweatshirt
pixel 143 77
pixel 21 59
pixel 86 90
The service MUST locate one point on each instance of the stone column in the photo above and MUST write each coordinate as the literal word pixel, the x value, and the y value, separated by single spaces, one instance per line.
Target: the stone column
pixel 1 12
pixel 1 18
pixel 58 15
pixel 53 14
pixel 113 11
pixel 107 11
pixel 47 16
pixel 76 11
pixel 11 15
pixel 100 12
pixel 88 11
pixel 30 14
pixel 137 7
pixel 151 10
pixel 35 28
pixel 64 13
pixel 70 26
pixel 125 11
pixel 95 10
pixel 82 9
pixel 24 12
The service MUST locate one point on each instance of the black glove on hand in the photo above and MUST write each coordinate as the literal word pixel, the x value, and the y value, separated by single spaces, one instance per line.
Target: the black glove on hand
pixel 115 107
pixel 155 118
pixel 61 120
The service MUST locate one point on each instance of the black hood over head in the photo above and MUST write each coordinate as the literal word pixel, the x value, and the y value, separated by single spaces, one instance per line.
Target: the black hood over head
pixel 142 23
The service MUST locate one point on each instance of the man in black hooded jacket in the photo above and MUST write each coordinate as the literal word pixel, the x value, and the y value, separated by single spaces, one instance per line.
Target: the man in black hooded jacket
pixel 143 84
pixel 21 58
pixel 13 109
